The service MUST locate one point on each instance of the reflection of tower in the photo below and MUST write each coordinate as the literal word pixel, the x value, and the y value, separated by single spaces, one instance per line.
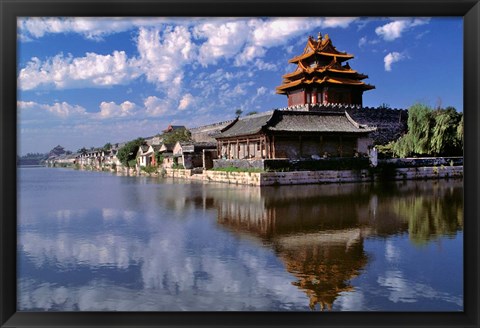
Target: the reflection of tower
pixel 324 263
pixel 317 237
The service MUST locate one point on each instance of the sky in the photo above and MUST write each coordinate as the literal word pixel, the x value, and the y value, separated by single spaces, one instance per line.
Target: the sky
pixel 85 82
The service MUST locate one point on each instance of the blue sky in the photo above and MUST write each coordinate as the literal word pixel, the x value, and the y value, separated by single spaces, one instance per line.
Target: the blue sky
pixel 83 82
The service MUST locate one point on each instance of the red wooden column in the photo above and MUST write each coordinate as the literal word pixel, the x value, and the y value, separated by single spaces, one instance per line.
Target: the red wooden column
pixel 273 146
pixel 228 149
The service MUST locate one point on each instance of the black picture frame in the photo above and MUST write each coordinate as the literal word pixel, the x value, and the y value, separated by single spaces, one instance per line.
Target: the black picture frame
pixel 10 10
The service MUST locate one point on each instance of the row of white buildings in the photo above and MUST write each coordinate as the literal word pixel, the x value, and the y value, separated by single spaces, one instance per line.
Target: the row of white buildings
pixel 156 153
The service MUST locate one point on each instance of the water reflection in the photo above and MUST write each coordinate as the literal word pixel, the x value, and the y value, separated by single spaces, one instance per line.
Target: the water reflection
pixel 149 246
pixel 318 231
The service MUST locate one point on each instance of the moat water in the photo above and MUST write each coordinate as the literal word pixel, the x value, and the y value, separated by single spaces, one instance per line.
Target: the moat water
pixel 93 241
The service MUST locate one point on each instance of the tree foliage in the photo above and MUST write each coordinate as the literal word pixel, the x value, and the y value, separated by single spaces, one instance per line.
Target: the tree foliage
pixel 431 133
pixel 177 135
pixel 58 150
pixel 82 151
pixel 129 151
pixel 107 146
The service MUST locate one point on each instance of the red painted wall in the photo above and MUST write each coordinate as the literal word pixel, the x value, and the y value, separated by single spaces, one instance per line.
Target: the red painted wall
pixel 296 98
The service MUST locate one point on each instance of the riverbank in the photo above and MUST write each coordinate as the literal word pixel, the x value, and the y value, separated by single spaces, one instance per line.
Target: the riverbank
pixel 387 170
pixel 320 177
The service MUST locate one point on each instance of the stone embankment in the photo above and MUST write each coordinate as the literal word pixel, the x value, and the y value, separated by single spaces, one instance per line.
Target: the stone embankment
pixel 388 170
pixel 316 177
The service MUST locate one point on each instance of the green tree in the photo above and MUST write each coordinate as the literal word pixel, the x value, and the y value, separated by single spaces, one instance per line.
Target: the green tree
pixel 420 123
pixel 252 112
pixel 177 135
pixel 82 151
pixel 444 132
pixel 431 132
pixel 238 112
pixel 159 157
pixel 107 146
pixel 58 150
pixel 129 151
pixel 459 138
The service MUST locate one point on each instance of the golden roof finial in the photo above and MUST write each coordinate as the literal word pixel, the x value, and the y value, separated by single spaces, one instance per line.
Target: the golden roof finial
pixel 320 36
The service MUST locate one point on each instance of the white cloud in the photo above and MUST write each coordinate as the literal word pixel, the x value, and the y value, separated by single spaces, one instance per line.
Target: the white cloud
pixel 94 28
pixel 249 54
pixel 277 31
pixel 272 32
pixel 111 109
pixel 362 41
pixel 62 72
pixel 155 106
pixel 365 41
pixel 392 57
pixel 394 30
pixel 163 56
pixel 62 110
pixel 342 22
pixel 186 101
pixel 239 90
pixel 224 40
pixel 261 91
pixel 164 51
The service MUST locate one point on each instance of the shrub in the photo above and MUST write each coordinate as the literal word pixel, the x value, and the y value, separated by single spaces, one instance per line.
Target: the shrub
pixel 178 166
pixel 149 169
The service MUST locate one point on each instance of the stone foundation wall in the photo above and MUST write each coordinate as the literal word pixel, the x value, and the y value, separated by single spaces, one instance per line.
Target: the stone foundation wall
pixel 326 176
pixel 240 163
pixel 451 170
pixel 178 173
pixel 243 178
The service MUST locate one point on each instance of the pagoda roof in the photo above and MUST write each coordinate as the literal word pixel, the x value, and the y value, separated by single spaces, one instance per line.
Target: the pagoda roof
pixel 294 121
pixel 333 67
pixel 325 80
pixel 322 47
pixel 316 72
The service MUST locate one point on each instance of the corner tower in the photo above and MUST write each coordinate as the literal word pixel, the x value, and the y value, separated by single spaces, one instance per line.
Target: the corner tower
pixel 322 77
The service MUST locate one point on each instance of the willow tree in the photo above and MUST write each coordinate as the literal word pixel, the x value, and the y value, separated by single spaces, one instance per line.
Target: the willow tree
pixel 431 132
pixel 417 139
pixel 444 138
pixel 460 133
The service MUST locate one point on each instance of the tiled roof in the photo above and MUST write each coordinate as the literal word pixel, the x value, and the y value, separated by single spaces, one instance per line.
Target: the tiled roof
pixel 250 124
pixel 316 122
pixel 168 147
pixel 295 121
